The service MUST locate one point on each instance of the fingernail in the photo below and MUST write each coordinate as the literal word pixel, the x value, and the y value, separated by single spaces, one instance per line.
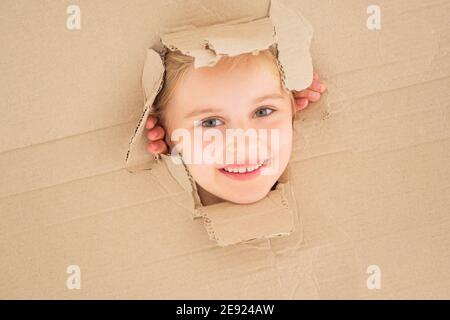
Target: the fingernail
pixel 314 95
pixel 301 103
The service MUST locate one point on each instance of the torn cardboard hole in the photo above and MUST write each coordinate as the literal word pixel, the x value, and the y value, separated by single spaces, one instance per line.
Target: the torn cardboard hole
pixel 230 223
pixel 226 222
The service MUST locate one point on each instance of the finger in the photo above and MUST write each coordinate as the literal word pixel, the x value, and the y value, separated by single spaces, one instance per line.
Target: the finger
pixel 315 75
pixel 317 86
pixel 151 121
pixel 301 103
pixel 157 147
pixel 308 94
pixel 155 133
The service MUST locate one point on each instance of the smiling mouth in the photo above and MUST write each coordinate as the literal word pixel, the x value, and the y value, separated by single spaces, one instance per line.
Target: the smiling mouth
pixel 241 172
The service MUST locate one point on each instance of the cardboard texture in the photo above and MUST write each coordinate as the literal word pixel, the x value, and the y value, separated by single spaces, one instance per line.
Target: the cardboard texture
pixel 369 173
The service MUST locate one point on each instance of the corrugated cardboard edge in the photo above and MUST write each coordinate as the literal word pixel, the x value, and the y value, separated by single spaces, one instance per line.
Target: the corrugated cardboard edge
pixel 181 174
pixel 152 80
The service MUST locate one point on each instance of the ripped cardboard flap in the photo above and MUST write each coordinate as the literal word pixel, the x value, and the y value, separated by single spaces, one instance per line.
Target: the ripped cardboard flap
pixel 208 44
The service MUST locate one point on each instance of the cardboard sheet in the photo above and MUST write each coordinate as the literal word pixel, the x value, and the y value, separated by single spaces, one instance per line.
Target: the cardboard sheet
pixel 369 171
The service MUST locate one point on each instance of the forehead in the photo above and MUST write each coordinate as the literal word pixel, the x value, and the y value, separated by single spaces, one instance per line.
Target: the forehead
pixel 245 78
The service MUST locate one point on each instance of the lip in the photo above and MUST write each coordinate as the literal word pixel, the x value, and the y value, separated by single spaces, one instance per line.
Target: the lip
pixel 244 176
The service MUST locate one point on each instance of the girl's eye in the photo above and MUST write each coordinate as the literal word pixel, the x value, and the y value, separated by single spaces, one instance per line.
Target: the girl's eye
pixel 213 122
pixel 263 112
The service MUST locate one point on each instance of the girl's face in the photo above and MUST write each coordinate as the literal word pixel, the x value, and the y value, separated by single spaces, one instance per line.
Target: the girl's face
pixel 247 96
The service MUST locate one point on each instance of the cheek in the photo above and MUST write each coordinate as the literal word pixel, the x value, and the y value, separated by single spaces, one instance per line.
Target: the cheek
pixel 203 174
pixel 281 137
pixel 287 143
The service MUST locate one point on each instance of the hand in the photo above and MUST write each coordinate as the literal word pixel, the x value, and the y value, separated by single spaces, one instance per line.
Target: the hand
pixel 156 136
pixel 310 94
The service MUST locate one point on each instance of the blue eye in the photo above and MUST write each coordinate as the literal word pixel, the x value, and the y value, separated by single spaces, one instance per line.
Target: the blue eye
pixel 263 112
pixel 210 123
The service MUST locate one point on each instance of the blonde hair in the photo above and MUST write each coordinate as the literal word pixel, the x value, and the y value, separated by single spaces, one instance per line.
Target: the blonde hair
pixel 176 65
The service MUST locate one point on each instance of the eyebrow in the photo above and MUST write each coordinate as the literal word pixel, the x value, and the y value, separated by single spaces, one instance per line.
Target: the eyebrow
pixel 202 111
pixel 216 110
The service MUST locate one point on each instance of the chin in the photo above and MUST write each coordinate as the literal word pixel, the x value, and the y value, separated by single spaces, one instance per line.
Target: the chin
pixel 247 198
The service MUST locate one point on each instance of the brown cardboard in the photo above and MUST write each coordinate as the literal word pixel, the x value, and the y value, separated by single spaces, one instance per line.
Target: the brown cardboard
pixel 369 170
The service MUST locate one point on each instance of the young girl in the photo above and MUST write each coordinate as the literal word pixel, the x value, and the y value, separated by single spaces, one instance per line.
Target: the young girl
pixel 240 92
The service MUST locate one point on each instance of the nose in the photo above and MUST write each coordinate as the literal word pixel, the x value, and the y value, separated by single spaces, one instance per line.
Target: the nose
pixel 244 143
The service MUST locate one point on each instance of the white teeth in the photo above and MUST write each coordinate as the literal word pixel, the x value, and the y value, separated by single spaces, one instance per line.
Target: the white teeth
pixel 243 169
